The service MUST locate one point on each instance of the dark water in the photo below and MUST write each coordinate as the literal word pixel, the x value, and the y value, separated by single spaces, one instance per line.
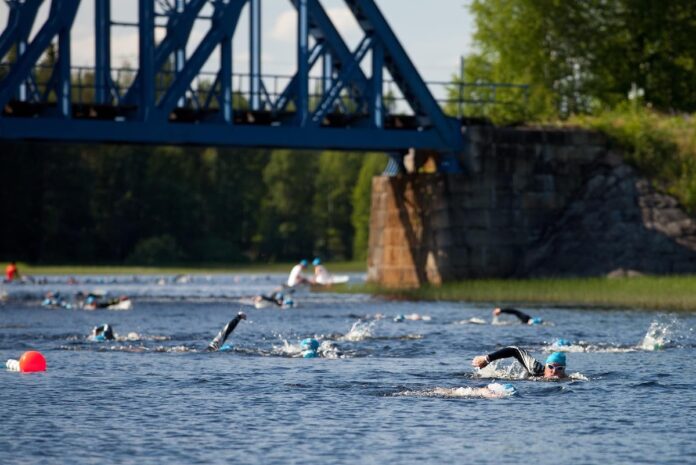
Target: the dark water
pixel 387 392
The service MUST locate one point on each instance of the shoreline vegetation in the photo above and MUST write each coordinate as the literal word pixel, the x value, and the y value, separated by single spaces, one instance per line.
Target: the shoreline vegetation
pixel 26 269
pixel 668 293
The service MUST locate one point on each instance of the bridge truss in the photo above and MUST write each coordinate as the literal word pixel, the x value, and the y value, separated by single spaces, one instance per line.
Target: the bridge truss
pixel 163 101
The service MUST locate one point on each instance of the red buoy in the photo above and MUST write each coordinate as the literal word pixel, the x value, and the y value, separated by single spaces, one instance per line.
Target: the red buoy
pixel 32 361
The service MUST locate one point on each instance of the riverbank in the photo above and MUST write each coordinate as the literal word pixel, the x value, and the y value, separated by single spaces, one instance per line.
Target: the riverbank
pixel 69 270
pixel 669 293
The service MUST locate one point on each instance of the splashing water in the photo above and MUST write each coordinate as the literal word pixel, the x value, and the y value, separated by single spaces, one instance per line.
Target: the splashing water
pixel 360 331
pixel 511 371
pixel 658 335
pixel 491 391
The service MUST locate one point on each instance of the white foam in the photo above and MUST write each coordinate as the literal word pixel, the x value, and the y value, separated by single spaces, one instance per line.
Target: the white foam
pixel 360 331
pixel 492 391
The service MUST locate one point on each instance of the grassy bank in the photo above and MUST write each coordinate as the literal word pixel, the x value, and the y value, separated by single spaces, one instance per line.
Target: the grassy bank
pixel 29 269
pixel 648 292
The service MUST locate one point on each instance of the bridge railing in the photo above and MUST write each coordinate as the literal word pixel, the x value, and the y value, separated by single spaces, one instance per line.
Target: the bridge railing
pixel 456 98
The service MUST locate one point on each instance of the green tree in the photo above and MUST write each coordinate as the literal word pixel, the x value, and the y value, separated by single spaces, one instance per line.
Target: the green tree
pixel 372 165
pixel 285 229
pixel 583 57
pixel 336 177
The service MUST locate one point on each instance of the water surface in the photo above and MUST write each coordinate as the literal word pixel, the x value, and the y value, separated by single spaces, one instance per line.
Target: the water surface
pixel 386 392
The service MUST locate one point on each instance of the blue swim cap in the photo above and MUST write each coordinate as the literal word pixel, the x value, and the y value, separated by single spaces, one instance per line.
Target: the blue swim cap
pixel 558 358
pixel 303 262
pixel 562 343
pixel 535 321
pixel 226 347
pixel 399 318
pixel 288 302
pixel 99 338
pixel 309 344
pixel 309 354
pixel 316 262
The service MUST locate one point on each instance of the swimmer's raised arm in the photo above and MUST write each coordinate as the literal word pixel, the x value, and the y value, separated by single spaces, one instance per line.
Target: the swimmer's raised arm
pixel 221 337
pixel 523 317
pixel 532 366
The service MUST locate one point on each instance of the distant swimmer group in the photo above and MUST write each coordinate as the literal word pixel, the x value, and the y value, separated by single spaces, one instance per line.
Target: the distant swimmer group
pixel 321 275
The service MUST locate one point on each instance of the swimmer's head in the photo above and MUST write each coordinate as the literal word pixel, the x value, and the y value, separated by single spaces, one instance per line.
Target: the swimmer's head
pixel 535 321
pixel 562 343
pixel 309 347
pixel 309 344
pixel 226 348
pixel 288 302
pixel 555 365
pixel 316 262
pixel 399 318
pixel 303 263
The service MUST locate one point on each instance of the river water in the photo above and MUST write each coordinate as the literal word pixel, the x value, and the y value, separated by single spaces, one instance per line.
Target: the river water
pixel 384 391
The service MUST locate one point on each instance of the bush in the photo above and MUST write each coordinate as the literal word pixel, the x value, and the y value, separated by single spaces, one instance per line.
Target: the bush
pixel 661 147
pixel 156 250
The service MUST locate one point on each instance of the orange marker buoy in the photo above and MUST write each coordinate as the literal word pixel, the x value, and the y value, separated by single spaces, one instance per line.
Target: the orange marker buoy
pixel 32 361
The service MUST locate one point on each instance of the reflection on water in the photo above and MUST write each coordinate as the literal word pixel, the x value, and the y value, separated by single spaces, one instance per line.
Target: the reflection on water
pixel 389 385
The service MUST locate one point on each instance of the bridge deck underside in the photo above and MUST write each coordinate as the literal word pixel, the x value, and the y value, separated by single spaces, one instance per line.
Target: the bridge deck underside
pixel 120 124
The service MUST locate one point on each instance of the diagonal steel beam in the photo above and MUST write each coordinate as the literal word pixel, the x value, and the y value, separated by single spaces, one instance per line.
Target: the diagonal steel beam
pixel 224 22
pixel 19 24
pixel 322 29
pixel 403 71
pixel 286 96
pixel 60 17
pixel 342 80
pixel 178 31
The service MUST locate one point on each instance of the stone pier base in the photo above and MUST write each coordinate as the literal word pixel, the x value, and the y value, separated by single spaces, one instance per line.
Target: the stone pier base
pixel 534 202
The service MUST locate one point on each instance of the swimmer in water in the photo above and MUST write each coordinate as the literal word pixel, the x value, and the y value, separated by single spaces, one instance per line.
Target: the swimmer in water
pixel 277 298
pixel 102 333
pixel 310 347
pixel 523 317
pixel 553 368
pixel 218 344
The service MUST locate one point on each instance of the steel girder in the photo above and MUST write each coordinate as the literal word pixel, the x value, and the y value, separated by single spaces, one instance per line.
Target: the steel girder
pixel 347 113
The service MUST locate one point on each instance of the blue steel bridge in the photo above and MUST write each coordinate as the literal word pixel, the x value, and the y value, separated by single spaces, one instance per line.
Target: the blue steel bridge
pixel 370 97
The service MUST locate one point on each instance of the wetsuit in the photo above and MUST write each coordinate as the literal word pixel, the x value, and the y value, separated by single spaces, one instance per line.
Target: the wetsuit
pixel 533 367
pixel 104 330
pixel 277 298
pixel 524 318
pixel 221 337
pixel 108 303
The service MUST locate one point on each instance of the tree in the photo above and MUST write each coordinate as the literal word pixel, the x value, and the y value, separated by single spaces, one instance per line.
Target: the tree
pixel 336 176
pixel 373 164
pixel 286 226
pixel 583 57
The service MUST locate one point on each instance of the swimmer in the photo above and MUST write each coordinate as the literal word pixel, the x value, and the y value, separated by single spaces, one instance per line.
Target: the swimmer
pixel 218 344
pixel 523 317
pixel 277 298
pixel 310 347
pixel 102 333
pixel 296 277
pixel 553 368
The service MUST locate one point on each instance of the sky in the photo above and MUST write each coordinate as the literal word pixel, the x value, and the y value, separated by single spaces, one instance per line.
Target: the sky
pixel 435 34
